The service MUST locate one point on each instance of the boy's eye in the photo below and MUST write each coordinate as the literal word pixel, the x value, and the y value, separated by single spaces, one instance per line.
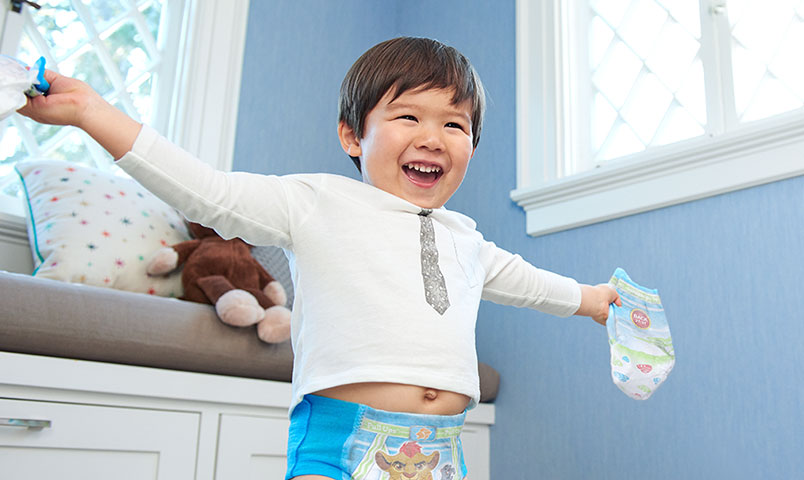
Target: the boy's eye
pixel 455 125
pixel 408 117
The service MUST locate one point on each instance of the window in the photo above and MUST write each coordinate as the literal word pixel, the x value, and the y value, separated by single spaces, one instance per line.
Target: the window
pixel 141 55
pixel 630 105
pixel 124 49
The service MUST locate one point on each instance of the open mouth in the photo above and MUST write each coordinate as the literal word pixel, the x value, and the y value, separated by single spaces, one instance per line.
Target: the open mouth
pixel 422 174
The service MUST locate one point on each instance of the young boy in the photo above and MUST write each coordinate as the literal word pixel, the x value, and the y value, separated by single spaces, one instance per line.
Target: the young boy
pixel 387 281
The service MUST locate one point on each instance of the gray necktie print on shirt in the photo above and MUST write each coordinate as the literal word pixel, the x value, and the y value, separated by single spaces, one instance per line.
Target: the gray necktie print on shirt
pixel 435 288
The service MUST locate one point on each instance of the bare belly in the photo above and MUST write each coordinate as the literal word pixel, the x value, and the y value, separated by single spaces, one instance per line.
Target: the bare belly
pixel 396 397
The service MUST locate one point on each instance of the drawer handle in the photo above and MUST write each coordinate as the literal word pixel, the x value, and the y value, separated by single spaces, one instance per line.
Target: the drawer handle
pixel 24 422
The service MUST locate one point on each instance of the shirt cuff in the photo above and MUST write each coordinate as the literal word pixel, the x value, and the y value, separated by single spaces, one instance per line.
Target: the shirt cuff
pixel 142 145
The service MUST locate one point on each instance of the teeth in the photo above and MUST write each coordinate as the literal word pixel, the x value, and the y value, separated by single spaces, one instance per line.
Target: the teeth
pixel 423 168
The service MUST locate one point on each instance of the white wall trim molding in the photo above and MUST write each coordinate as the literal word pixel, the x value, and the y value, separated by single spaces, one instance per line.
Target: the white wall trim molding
pixel 13 229
pixel 205 111
pixel 667 176
pixel 537 92
pixel 15 248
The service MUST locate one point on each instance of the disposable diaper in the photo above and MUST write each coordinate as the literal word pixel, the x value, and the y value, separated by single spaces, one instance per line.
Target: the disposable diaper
pixel 641 346
pixel 17 81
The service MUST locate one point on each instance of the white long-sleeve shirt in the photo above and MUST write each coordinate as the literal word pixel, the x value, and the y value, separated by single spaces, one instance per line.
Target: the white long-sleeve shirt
pixel 359 313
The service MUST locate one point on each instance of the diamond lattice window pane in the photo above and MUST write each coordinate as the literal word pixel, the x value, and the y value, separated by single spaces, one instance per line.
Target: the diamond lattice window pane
pixel 650 72
pixel 603 34
pixel 772 97
pixel 153 13
pixel 42 132
pixel 72 149
pixel 766 57
pixel 85 65
pixel 61 27
pixel 678 125
pixel 673 54
pixel 788 64
pixel 642 25
pixel 140 93
pixel 617 73
pixel 128 51
pixel 611 11
pixel 691 94
pixel 621 141
pixel 105 12
pixel 646 106
pixel 27 51
pixel 687 14
pixel 605 116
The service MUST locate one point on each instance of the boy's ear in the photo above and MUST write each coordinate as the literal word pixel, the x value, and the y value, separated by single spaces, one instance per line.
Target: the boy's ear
pixel 349 141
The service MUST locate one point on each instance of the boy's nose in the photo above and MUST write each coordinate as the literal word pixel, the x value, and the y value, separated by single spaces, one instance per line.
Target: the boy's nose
pixel 430 138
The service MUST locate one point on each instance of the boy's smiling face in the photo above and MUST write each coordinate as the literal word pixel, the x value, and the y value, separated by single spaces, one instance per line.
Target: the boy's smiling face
pixel 416 146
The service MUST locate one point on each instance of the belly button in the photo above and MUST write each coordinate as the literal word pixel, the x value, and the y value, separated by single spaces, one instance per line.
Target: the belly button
pixel 430 394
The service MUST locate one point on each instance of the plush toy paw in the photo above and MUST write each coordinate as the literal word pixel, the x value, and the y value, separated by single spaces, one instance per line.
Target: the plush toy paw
pixel 239 308
pixel 276 292
pixel 162 262
pixel 275 327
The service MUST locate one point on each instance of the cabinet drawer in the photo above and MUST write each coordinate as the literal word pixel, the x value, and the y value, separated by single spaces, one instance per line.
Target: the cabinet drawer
pixel 252 447
pixel 95 442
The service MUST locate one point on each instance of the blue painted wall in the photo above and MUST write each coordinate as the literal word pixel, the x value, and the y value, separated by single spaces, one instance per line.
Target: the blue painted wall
pixel 729 268
pixel 297 53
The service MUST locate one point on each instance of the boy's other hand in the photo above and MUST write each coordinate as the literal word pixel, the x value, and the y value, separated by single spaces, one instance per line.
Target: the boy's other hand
pixel 66 103
pixel 595 301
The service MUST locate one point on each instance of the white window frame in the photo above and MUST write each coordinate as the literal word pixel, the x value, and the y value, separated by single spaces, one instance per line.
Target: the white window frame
pixel 751 154
pixel 204 108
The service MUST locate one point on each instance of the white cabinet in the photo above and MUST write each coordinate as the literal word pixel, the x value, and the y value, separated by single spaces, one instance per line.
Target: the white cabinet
pixel 89 442
pixel 127 422
pixel 252 447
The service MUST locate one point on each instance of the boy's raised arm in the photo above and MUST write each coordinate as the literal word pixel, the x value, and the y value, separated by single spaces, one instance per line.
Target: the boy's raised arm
pixel 72 102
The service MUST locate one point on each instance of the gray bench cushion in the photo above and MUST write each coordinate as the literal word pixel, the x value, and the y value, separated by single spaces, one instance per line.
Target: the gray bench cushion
pixel 48 317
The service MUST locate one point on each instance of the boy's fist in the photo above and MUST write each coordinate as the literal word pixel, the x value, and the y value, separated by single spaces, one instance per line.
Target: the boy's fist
pixel 66 103
pixel 595 301
pixel 70 101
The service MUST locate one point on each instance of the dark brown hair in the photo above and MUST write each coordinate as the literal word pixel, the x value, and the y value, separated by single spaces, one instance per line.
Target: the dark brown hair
pixel 407 63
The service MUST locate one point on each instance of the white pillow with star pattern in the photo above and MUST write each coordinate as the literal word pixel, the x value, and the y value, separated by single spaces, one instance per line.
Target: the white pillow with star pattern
pixel 93 227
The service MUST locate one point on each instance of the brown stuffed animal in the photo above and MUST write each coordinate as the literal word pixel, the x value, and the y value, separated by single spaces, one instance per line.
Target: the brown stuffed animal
pixel 223 273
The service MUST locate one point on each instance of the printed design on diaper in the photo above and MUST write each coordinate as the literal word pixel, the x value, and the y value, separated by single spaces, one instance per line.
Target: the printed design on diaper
pixel 640 318
pixel 642 352
pixel 384 451
pixel 409 463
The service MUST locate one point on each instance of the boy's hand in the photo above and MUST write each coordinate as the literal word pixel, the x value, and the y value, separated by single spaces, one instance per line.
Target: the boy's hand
pixel 66 102
pixel 72 102
pixel 595 301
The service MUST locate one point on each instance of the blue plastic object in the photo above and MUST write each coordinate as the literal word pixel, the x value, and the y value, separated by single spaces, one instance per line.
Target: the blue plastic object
pixel 39 66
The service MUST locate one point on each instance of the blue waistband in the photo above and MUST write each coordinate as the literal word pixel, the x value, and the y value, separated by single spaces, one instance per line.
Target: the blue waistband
pixel 415 426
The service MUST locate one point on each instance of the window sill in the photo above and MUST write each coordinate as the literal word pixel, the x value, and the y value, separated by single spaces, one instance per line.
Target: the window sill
pixel 667 176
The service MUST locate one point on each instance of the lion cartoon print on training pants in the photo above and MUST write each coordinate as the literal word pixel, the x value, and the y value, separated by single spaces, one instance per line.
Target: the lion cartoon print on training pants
pixel 409 463
pixel 385 451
